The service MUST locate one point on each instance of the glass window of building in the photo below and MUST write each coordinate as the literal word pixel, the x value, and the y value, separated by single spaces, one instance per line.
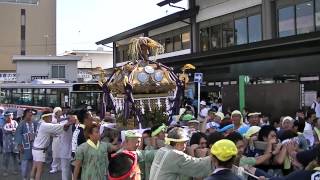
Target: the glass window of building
pixel 255 29
pixel 286 23
pixel 216 36
pixel 227 34
pixel 177 43
pixel 304 15
pixel 185 40
pixel 123 52
pixel 62 72
pixel 240 31
pixel 204 39
pixel 58 71
pixel 162 42
pixel 55 71
pixel 317 14
pixel 118 55
pixel 168 45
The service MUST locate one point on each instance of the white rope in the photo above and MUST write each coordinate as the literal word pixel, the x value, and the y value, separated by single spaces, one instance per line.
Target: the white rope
pixel 241 170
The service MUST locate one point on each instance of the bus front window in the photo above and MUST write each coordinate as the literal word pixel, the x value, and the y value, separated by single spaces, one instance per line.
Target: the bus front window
pixel 83 99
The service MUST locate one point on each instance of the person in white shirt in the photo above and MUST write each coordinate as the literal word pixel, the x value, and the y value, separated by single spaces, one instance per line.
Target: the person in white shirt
pixel 9 147
pixel 203 109
pixel 308 129
pixel 56 118
pixel 42 141
pixel 65 140
pixel 316 106
pixel 219 105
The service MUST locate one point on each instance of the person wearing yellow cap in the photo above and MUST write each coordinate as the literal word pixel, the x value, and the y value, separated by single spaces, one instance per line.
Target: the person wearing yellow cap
pixel 224 153
pixel 252 132
pixel 251 136
pixel 237 120
pixel 171 163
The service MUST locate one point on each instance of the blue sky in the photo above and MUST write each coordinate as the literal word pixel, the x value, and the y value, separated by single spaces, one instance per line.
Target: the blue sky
pixel 80 23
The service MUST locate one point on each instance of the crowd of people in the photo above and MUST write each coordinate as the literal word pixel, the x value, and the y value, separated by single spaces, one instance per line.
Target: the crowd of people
pixel 211 145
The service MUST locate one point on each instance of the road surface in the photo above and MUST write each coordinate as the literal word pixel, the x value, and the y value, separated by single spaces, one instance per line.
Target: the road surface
pixel 46 174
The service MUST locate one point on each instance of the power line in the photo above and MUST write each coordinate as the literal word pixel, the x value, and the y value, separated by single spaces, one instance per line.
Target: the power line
pixel 44 44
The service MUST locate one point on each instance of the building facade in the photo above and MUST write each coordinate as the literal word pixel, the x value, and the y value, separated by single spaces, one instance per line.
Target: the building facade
pixel 90 60
pixel 46 67
pixel 28 27
pixel 274 42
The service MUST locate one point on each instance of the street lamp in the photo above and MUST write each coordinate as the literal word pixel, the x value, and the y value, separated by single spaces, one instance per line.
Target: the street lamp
pixel 165 2
pixel 170 3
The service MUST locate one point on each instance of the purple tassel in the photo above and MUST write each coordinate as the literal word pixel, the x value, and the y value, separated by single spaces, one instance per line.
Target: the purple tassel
pixel 128 100
pixel 106 101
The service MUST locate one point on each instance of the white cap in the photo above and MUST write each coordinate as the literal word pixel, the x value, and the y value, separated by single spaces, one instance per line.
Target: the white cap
pixel 203 103
pixel 1 108
pixel 56 109
pixel 287 118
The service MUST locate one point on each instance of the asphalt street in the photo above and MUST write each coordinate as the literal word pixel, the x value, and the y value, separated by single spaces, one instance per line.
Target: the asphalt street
pixel 46 174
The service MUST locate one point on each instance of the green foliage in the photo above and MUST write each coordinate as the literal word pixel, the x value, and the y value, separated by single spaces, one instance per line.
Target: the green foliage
pixel 120 118
pixel 155 116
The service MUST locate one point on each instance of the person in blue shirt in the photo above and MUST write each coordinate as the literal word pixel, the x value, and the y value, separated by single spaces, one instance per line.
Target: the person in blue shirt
pixel 1 125
pixel 237 120
pixel 24 138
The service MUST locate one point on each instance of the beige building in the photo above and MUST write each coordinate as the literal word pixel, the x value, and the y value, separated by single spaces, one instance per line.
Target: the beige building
pixel 27 28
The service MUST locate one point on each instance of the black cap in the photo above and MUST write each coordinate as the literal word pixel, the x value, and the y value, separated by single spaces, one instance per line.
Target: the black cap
pixel 8 113
pixel 33 111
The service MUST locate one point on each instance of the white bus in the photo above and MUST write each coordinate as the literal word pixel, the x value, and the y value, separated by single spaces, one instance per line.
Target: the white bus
pixel 52 93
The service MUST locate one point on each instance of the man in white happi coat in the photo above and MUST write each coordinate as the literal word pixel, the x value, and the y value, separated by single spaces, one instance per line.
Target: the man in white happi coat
pixel 42 141
pixel 56 161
